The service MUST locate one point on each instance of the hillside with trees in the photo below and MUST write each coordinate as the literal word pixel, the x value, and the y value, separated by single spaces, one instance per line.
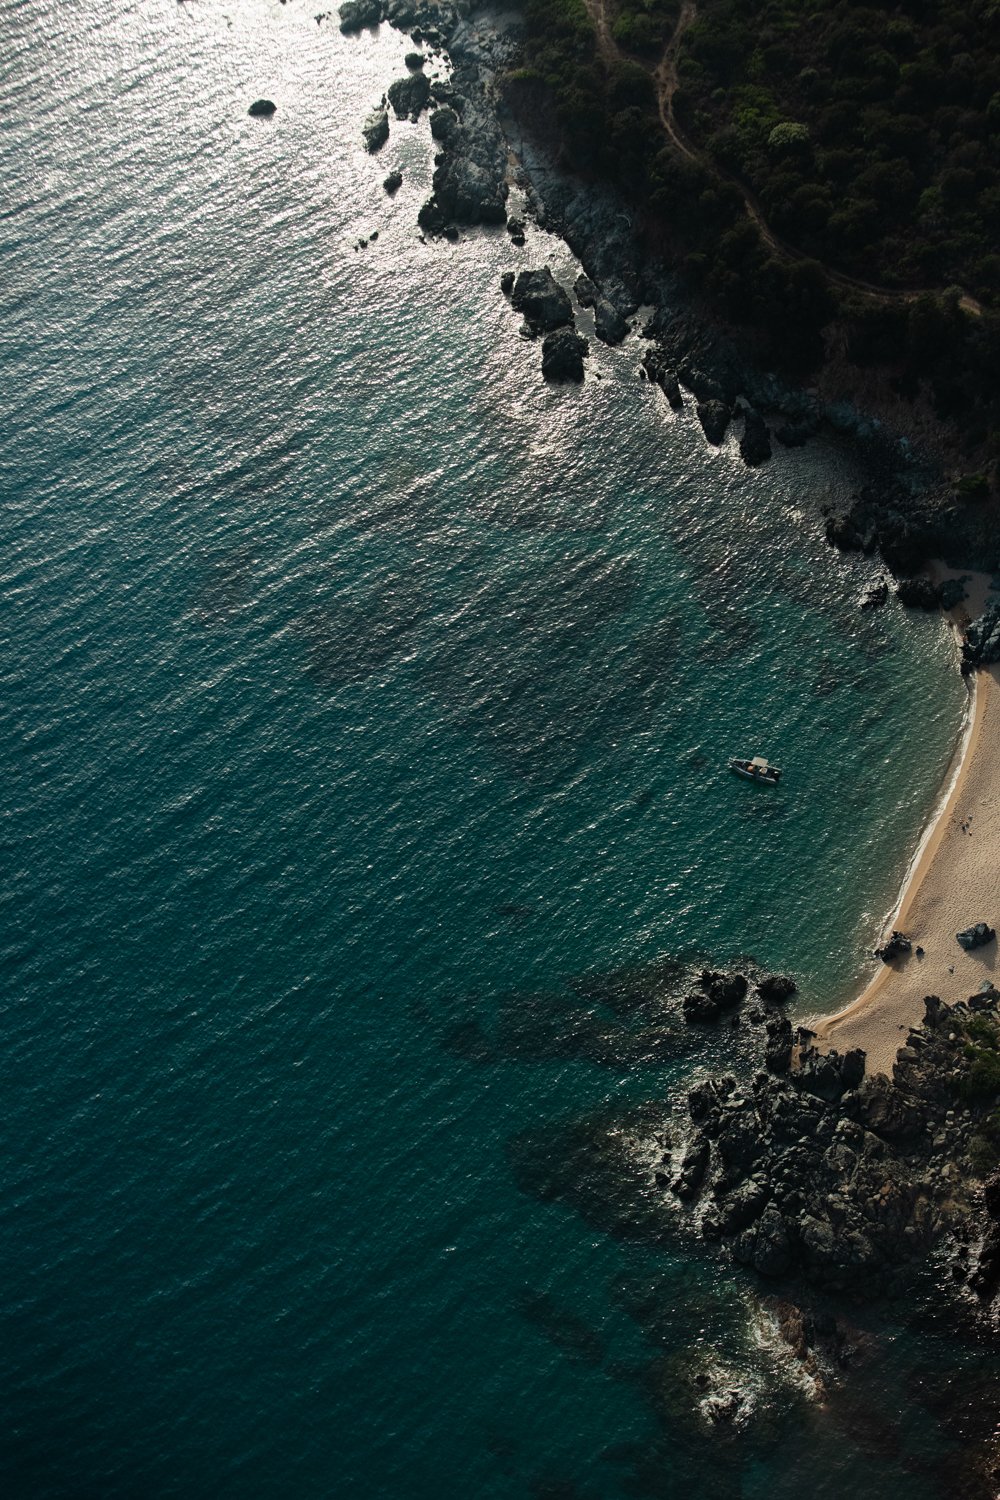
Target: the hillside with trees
pixel 825 144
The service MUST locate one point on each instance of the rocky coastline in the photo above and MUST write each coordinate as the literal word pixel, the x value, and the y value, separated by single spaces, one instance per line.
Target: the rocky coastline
pixel 908 513
pixel 810 1176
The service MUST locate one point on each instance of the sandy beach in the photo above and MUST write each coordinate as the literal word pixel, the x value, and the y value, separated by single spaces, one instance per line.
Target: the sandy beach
pixel 954 882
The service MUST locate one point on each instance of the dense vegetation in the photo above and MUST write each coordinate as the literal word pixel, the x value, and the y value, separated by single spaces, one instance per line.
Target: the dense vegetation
pixel 880 160
pixel 870 132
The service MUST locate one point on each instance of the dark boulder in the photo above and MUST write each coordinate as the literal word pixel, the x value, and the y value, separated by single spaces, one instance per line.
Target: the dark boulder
pixel 852 1068
pixel 414 59
pixel 262 109
pixel 444 124
pixel 982 639
pixel 883 1110
pixel 875 595
pixel 393 183
pixel 726 990
pixel 819 1074
pixel 741 1207
pixel 918 593
pixel 409 95
pixel 586 291
pixel 778 1051
pixel 767 1246
pixel 843 532
pixel 609 325
pixel 666 378
pixel 507 283
pixel 375 130
pixel 543 302
pixel 897 946
pixel 355 15
pixel 714 417
pixel 792 435
pixel 776 989
pixel 694 1165
pixel 976 937
pixel 951 591
pixel 701 1008
pixel 755 442
pixel 563 353
pixel 935 1011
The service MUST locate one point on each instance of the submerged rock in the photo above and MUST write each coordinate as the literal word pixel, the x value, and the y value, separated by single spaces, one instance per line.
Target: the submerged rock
pixel 875 595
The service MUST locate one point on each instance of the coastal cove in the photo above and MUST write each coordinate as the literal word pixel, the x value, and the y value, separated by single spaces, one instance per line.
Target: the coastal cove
pixel 366 716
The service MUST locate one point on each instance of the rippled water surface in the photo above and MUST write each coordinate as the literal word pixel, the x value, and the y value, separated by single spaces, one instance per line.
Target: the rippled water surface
pixel 359 690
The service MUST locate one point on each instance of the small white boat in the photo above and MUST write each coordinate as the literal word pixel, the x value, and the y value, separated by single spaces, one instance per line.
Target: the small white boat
pixel 756 769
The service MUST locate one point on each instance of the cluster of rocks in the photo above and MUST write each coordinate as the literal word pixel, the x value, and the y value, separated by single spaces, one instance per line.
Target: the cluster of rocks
pixel 609 324
pixel 923 593
pixel 982 639
pixel 842 1180
pixel 897 945
pixel 547 310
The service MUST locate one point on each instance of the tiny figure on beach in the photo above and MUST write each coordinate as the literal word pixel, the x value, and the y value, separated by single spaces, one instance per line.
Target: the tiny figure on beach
pixel 919 951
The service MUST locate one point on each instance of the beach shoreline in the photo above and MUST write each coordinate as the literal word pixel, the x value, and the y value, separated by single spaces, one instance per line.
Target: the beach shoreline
pixel 951 882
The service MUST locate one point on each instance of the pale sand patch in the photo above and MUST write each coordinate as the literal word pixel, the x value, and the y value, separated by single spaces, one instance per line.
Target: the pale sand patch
pixel 953 883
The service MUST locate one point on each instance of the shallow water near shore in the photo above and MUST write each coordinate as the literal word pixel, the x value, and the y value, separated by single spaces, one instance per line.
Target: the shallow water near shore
pixel 358 687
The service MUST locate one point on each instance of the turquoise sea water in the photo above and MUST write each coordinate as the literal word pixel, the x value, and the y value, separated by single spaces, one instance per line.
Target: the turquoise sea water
pixel 358 689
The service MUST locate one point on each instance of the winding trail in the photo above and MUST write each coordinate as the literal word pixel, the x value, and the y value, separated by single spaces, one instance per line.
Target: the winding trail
pixel 666 80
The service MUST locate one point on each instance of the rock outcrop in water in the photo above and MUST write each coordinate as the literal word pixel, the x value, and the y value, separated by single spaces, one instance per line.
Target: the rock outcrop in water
pixel 544 304
pixel 563 353
pixel 850 1183
pixel 262 109
pixel 375 130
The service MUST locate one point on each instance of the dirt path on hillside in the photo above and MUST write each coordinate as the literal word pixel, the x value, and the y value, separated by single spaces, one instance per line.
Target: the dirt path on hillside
pixel 666 81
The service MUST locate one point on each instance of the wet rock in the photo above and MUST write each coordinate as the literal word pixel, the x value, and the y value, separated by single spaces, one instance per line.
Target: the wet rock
pixel 897 946
pixel 375 130
pixel 755 442
pixel 543 302
pixel 694 1164
pixel 714 417
pixel 355 15
pixel 507 283
pixel 875 595
pixel 609 325
pixel 666 378
pixel 393 183
pixel 778 1051
pixel 414 59
pixel 743 1206
pixel 776 989
pixel 586 291
pixel 917 593
pixel 409 95
pixel 563 353
pixel 262 109
pixel 982 639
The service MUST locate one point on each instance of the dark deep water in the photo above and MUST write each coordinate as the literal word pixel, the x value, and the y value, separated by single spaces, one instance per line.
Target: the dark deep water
pixel 358 693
